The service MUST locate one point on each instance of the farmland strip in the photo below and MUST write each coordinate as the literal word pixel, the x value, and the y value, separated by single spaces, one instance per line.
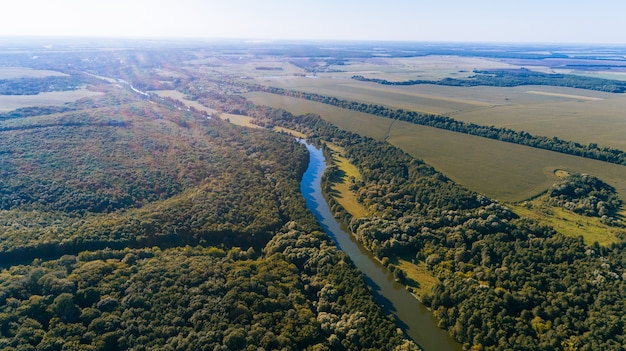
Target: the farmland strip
pixel 592 151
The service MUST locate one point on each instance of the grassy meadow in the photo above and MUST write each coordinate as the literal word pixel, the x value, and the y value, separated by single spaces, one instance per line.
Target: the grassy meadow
pixel 239 120
pixel 568 223
pixel 503 171
pixel 344 196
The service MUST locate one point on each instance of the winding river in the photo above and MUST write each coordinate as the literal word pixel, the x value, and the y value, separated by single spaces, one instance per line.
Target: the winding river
pixel 411 315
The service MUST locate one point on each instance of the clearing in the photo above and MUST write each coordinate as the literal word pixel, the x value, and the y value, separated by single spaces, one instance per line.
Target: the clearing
pixel 344 196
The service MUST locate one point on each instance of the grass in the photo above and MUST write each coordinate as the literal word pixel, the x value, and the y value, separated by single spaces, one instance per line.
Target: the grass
pixel 587 119
pixel 421 67
pixel 343 163
pixel 341 191
pixel 239 120
pixel 503 171
pixel 249 66
pixel 568 223
pixel 422 98
pixel 55 98
pixel 295 133
pixel 418 277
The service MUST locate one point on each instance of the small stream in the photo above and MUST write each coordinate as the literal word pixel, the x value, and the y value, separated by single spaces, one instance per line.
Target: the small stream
pixel 411 315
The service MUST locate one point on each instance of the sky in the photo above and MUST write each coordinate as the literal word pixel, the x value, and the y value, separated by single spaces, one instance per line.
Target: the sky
pixel 529 21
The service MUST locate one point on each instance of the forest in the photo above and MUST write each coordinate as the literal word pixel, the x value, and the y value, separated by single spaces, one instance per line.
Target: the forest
pixel 129 224
pixel 503 282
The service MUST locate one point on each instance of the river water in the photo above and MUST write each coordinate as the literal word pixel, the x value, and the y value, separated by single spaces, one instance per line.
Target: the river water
pixel 411 315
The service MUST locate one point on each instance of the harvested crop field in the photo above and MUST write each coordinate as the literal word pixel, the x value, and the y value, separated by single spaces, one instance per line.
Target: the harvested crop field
pixel 55 98
pixel 584 116
pixel 504 171
pixel 25 72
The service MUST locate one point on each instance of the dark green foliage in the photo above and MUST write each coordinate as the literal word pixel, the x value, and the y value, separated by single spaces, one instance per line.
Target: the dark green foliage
pixel 586 195
pixel 81 187
pixel 190 298
pixel 505 283
pixel 147 176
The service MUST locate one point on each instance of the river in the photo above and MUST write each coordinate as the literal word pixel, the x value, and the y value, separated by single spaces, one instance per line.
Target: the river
pixel 411 315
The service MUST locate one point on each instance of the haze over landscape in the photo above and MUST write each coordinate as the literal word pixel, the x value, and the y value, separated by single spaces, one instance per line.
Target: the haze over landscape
pixel 312 175
pixel 557 21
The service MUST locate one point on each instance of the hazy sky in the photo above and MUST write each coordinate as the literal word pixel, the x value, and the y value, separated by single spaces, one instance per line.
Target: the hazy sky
pixel 554 21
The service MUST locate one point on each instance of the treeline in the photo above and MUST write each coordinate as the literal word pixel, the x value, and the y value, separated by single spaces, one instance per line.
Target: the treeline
pixel 516 77
pixel 504 282
pixel 593 151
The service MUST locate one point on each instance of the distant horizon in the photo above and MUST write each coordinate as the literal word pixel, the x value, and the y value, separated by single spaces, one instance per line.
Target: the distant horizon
pixel 455 21
pixel 252 40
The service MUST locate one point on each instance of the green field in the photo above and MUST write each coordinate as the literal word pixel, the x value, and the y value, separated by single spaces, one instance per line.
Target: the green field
pixel 504 171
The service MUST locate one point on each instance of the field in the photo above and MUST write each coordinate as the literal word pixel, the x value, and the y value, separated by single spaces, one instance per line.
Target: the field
pixel 592 118
pixel 421 67
pixel 177 95
pixel 239 120
pixel 247 66
pixel 583 116
pixel 357 122
pixel 24 72
pixel 504 171
pixel 55 98
pixel 419 278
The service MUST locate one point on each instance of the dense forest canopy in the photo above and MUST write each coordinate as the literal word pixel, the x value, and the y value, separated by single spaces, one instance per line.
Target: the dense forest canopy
pixel 148 226
pixel 585 194
pixel 504 282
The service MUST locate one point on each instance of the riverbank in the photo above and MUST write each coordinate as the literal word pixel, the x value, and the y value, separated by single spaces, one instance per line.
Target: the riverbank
pixel 412 317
